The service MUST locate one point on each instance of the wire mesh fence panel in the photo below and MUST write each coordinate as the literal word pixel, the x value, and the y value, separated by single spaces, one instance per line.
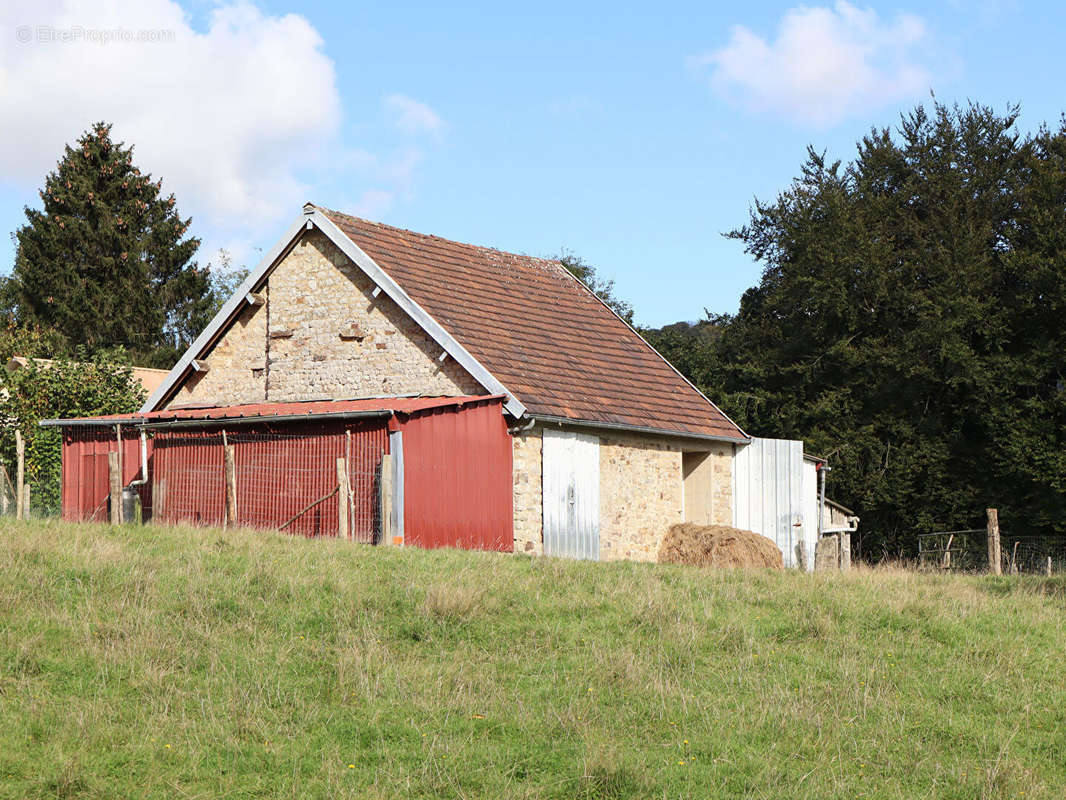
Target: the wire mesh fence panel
pixel 7 494
pixel 187 479
pixel 967 551
pixel 1033 553
pixel 288 481
pixel 957 551
pixel 364 448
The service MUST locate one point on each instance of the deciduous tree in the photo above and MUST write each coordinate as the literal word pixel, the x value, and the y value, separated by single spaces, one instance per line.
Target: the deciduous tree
pixel 909 324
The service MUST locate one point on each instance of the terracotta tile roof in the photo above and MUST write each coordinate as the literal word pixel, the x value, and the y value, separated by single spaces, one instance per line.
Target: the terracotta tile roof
pixel 540 332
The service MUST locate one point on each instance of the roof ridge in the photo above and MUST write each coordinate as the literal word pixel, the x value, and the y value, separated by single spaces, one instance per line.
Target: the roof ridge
pixel 552 261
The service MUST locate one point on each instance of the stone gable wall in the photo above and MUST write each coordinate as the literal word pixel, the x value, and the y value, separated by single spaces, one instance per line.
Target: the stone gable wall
pixel 321 335
pixel 721 459
pixel 236 365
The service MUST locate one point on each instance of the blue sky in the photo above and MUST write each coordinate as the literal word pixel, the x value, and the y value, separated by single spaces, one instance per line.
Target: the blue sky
pixel 631 135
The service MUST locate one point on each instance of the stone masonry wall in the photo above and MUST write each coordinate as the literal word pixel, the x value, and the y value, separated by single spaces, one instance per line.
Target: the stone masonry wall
pixel 236 365
pixel 641 496
pixel 721 458
pixel 709 485
pixel 528 502
pixel 327 338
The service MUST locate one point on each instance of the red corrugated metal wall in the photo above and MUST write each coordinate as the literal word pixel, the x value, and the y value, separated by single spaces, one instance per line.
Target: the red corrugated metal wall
pixel 457 478
pixel 457 475
pixel 85 478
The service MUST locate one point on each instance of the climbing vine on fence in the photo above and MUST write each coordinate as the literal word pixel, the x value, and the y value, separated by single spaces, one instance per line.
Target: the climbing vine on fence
pixel 60 388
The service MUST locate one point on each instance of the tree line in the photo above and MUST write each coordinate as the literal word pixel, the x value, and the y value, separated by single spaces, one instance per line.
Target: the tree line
pixel 106 264
pixel 909 325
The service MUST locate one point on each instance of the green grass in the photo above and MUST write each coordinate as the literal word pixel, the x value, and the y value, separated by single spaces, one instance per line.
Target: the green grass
pixel 144 662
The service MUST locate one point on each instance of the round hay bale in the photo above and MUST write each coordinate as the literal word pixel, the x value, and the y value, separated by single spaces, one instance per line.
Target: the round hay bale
pixel 718 546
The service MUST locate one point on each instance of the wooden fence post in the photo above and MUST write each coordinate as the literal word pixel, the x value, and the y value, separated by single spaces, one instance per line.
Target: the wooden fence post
pixel 1049 566
pixel 4 490
pixel 26 501
pixel 995 564
pixel 231 486
pixel 20 474
pixel 947 552
pixel 116 488
pixel 342 498
pixel 385 499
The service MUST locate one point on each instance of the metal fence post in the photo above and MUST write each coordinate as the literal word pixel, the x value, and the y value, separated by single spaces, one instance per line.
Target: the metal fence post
pixel 385 498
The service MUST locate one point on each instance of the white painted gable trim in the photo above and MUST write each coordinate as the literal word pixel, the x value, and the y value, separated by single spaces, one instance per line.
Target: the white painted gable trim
pixel 312 217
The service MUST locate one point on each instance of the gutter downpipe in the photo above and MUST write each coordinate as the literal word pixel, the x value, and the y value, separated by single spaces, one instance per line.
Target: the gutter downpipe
pixel 517 429
pixel 144 461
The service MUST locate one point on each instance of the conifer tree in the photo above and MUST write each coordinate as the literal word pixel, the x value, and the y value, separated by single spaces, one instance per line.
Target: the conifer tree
pixel 107 262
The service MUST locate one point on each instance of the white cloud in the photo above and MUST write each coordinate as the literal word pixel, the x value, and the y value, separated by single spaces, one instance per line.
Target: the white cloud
pixel 391 178
pixel 241 119
pixel 227 117
pixel 413 116
pixel 826 63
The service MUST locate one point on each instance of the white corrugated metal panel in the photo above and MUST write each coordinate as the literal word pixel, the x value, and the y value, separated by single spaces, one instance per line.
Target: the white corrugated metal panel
pixel 810 508
pixel 571 491
pixel 768 492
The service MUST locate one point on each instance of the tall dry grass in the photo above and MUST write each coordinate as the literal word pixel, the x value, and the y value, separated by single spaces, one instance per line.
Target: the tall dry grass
pixel 165 663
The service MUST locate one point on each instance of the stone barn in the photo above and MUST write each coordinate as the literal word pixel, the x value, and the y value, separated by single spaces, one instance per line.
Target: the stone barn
pixel 610 444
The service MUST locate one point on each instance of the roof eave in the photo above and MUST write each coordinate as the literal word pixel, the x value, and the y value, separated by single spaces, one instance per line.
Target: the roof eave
pixel 623 427
pixel 746 438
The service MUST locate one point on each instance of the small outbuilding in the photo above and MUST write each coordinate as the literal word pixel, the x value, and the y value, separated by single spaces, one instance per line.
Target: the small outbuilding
pixel 598 442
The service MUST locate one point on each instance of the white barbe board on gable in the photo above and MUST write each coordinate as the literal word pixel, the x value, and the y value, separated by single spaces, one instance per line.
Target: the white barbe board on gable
pixel 571 492
pixel 772 496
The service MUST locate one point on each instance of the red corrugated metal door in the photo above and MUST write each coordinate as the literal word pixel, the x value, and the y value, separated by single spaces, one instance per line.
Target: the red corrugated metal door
pixel 457 478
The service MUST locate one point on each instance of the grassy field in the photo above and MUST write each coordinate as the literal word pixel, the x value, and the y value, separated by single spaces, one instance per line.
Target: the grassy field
pixel 143 662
